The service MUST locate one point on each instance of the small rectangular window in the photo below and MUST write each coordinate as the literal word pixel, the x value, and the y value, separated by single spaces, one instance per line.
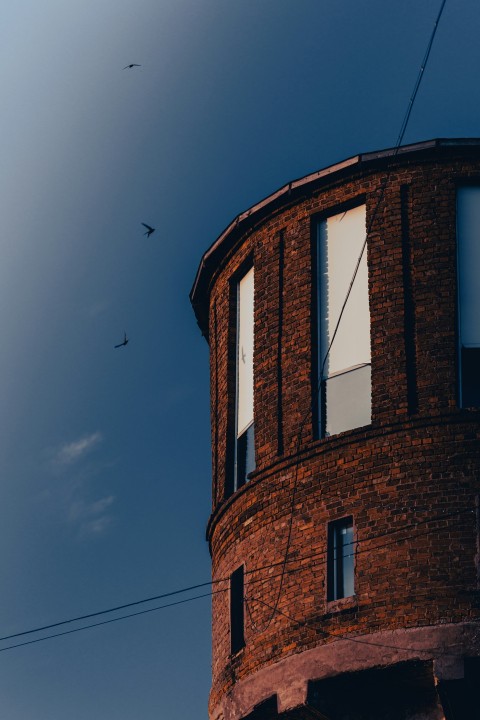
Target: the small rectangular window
pixel 244 426
pixel 237 637
pixel 468 253
pixel 343 327
pixel 340 559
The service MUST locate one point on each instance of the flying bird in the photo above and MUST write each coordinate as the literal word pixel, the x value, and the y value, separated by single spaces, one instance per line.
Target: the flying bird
pixel 132 65
pixel 125 341
pixel 150 230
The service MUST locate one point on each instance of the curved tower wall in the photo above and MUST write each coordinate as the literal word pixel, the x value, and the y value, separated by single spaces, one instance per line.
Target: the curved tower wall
pixel 324 630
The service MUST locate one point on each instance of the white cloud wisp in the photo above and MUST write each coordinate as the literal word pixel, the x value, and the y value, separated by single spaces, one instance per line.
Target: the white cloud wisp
pixel 72 452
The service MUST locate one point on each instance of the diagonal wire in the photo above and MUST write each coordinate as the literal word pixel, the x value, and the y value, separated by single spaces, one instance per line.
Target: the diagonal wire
pixel 106 622
pixel 419 78
pixel 401 135
pixel 369 228
pixel 309 556
pixel 105 612
pixel 375 548
pixel 252 582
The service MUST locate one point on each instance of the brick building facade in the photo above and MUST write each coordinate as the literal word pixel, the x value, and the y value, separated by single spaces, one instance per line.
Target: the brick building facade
pixel 345 440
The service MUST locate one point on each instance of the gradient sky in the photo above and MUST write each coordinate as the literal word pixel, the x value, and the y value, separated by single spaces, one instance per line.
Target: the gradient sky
pixel 105 454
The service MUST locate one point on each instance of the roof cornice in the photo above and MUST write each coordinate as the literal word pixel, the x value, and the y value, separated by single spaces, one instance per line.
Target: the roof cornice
pixel 212 258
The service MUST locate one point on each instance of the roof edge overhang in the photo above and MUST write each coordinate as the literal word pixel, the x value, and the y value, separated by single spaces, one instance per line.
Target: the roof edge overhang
pixel 294 190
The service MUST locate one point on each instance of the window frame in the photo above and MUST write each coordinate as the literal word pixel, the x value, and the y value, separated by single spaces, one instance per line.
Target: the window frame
pixel 319 383
pixel 337 578
pixel 237 610
pixel 247 438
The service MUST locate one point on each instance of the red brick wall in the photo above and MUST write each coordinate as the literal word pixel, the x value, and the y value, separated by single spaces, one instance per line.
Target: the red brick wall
pixel 418 461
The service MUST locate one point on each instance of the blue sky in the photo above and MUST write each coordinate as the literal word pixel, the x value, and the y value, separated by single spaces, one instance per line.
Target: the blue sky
pixel 105 454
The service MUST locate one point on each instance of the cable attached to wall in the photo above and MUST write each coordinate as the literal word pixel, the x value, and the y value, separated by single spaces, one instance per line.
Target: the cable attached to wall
pixel 342 636
pixel 354 544
pixel 225 580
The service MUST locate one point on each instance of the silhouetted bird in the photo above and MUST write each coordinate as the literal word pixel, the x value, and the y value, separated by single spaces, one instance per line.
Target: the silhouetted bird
pixel 125 341
pixel 129 67
pixel 150 230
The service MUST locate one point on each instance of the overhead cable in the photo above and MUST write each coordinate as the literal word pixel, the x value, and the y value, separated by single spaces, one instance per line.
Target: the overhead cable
pixel 102 622
pixel 311 556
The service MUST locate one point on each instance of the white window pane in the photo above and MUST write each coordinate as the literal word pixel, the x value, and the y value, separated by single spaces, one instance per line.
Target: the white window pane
pixel 245 352
pixel 468 233
pixel 348 400
pixel 341 238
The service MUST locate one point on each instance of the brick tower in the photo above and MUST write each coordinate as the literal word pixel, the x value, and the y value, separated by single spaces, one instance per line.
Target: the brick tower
pixel 343 318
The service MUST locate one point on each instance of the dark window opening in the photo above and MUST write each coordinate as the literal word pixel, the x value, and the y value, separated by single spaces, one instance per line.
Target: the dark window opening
pixel 340 559
pixel 245 456
pixel 470 371
pixel 237 637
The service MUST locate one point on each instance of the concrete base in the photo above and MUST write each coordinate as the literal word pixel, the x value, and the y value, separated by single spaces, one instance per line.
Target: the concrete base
pixel 442 648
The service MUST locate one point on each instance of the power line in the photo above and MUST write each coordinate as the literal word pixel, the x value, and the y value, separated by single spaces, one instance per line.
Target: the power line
pixel 420 77
pixel 105 612
pixel 318 554
pixel 104 622
pixel 401 135
pixel 227 579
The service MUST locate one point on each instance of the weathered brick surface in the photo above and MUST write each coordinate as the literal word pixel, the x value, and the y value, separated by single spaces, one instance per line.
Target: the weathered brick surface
pixel 409 480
